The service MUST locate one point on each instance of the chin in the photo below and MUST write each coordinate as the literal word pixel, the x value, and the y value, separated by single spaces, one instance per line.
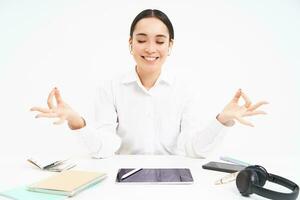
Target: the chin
pixel 151 68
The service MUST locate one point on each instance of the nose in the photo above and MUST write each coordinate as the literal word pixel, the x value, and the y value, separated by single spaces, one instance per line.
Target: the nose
pixel 150 48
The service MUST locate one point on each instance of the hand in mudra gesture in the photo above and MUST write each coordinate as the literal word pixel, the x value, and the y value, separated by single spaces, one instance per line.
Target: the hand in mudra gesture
pixel 61 110
pixel 233 111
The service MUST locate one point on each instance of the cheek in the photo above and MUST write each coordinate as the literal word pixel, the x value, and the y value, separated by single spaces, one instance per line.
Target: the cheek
pixel 137 49
pixel 164 51
pixel 138 46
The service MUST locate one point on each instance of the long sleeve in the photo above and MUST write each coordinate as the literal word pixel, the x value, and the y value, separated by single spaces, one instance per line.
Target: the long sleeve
pixel 164 120
pixel 99 136
pixel 197 139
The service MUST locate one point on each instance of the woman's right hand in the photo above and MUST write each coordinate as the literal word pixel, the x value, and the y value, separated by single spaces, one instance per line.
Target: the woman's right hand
pixel 61 110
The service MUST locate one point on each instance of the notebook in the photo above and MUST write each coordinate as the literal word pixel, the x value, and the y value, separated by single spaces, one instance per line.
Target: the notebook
pixel 51 163
pixel 21 193
pixel 67 183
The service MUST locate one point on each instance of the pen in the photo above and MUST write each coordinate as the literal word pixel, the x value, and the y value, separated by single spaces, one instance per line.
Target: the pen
pixel 234 161
pixel 130 173
pixel 226 179
pixel 51 165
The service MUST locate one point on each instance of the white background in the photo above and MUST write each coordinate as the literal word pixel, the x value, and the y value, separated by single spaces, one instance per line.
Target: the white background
pixel 220 45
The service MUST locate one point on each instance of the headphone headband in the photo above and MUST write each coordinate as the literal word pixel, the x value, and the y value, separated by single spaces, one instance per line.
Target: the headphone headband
pixel 254 186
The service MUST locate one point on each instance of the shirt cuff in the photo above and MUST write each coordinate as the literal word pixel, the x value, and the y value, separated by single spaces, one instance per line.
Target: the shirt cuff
pixel 99 145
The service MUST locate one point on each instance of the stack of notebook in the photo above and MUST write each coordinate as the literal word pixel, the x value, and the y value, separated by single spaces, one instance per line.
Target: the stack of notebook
pixel 67 183
pixel 58 186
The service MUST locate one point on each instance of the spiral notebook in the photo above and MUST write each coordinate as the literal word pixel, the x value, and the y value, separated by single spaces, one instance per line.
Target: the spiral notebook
pixel 51 163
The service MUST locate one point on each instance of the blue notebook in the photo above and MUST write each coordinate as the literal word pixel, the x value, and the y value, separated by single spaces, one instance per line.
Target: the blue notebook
pixel 21 193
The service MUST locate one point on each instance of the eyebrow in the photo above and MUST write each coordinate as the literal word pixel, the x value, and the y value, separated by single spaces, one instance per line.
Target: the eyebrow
pixel 144 34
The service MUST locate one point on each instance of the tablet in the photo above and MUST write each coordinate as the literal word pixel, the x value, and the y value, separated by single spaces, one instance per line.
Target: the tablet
pixel 155 176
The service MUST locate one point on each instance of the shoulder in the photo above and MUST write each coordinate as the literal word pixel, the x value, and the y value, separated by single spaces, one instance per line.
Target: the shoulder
pixel 112 83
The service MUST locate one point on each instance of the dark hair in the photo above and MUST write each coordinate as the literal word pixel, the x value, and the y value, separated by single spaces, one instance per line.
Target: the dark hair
pixel 153 13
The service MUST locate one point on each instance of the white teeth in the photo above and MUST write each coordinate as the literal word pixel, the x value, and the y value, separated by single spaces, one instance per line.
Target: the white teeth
pixel 150 58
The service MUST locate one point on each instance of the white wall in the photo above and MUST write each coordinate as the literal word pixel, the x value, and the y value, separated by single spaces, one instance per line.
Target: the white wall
pixel 225 45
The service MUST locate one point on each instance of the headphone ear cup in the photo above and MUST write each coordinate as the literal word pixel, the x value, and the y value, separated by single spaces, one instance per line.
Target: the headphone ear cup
pixel 261 173
pixel 244 181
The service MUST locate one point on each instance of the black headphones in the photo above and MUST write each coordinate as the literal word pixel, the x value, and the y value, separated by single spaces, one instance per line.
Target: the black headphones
pixel 252 179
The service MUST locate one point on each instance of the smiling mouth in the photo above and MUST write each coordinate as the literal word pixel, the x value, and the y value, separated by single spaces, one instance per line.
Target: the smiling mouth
pixel 150 59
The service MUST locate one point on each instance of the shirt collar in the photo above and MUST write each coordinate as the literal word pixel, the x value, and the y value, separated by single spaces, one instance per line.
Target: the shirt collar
pixel 165 77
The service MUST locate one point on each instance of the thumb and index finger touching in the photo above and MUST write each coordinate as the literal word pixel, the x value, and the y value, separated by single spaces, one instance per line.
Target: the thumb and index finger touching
pixel 248 103
pixel 54 93
pixel 240 94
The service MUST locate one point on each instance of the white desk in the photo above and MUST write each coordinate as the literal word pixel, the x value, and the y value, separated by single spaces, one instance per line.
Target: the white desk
pixel 15 171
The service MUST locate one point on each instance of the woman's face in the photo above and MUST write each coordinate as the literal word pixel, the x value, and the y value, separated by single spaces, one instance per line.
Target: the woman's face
pixel 150 44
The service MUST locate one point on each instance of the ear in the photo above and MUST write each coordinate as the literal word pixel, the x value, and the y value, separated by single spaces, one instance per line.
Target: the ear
pixel 170 47
pixel 130 45
pixel 130 41
pixel 171 43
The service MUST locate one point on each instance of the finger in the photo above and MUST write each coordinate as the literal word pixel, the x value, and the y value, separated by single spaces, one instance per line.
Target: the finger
pixel 58 96
pixel 256 112
pixel 246 99
pixel 245 122
pixel 257 105
pixel 50 99
pixel 60 121
pixel 47 115
pixel 237 96
pixel 40 109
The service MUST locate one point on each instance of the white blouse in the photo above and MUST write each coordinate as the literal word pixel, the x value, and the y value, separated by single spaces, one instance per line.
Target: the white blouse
pixel 163 120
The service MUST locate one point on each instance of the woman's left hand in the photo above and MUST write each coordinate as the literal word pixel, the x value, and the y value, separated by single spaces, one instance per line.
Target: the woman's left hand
pixel 233 111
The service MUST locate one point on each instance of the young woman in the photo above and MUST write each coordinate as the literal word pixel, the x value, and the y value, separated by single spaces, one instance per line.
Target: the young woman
pixel 148 111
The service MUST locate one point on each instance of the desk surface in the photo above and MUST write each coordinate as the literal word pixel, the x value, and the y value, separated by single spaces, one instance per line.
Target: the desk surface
pixel 15 171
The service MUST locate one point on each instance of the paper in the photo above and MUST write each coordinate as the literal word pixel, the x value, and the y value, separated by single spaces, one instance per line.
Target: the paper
pixel 21 193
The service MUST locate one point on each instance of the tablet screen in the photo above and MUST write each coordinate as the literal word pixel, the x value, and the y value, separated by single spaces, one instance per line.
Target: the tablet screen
pixel 150 175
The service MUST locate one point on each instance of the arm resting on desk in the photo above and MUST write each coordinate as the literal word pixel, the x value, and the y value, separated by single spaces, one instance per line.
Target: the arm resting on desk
pixel 101 143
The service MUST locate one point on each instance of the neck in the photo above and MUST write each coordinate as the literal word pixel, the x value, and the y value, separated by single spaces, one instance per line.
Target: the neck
pixel 148 79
